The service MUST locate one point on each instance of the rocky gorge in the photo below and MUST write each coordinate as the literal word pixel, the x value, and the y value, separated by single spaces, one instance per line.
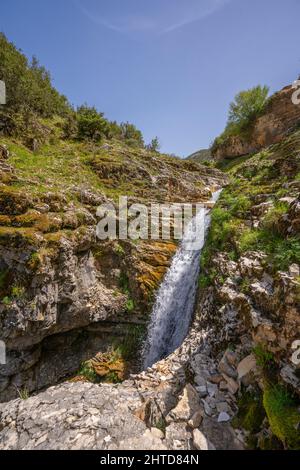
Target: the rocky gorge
pixel 74 310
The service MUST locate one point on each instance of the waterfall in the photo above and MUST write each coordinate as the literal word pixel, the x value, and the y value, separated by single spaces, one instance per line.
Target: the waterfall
pixel 174 306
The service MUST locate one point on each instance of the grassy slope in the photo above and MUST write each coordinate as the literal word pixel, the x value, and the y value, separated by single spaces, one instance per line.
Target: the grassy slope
pixel 268 172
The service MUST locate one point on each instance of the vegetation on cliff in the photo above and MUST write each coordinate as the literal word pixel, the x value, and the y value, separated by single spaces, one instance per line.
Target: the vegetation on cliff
pixel 255 227
pixel 245 108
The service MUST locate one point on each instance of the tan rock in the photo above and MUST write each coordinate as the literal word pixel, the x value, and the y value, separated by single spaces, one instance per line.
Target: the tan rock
pixel 246 366
pixel 188 405
pixel 232 385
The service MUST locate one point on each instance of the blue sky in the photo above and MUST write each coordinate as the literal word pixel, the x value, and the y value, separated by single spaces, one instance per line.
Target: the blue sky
pixel 169 66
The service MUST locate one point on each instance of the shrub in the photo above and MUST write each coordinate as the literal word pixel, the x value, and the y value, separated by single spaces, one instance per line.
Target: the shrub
pixel 263 357
pixel 131 134
pixel 91 124
pixel 130 305
pixel 154 145
pixel 87 371
pixel 251 412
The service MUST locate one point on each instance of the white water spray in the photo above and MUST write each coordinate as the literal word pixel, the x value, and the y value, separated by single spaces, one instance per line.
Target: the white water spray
pixel 172 312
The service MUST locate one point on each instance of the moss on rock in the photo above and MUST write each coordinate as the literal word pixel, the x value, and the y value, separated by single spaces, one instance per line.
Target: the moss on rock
pixel 283 415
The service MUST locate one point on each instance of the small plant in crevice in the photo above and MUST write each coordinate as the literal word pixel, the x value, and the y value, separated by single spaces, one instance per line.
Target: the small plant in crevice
pixel 130 306
pixel 161 425
pixel 23 393
pixel 87 371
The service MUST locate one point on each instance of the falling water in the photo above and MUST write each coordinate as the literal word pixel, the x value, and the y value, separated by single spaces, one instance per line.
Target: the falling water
pixel 172 312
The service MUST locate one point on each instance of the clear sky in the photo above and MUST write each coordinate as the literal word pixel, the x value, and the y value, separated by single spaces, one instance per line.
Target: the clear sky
pixel 169 66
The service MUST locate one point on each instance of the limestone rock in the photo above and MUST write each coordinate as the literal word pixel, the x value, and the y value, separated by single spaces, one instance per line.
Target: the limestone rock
pixel 223 417
pixel 245 368
pixel 200 441
pixel 188 405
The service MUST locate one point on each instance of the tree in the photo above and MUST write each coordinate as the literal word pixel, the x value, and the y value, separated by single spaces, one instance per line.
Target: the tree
pixel 91 124
pixel 247 105
pixel 154 146
pixel 28 85
pixel 131 134
pixel 245 108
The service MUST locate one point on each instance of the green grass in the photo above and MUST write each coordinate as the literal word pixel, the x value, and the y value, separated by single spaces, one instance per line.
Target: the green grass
pixel 263 357
pixel 283 415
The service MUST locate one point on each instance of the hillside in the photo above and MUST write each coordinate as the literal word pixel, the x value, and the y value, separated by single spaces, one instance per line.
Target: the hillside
pixel 201 156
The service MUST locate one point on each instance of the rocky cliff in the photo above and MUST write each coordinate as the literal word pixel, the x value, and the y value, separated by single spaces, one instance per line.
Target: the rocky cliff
pixel 279 117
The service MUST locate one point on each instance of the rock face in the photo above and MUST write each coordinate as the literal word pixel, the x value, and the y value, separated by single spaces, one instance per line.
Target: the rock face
pixel 159 409
pixel 65 295
pixel 280 116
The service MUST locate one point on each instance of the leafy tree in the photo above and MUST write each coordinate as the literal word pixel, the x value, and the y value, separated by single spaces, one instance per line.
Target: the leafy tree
pixel 245 108
pixel 91 124
pixel 247 105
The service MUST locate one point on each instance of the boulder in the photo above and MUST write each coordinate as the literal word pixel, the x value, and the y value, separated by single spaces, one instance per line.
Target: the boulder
pixel 200 441
pixel 188 405
pixel 246 369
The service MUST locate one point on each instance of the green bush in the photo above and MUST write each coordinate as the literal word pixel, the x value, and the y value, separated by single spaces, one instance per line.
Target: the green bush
pixel 91 124
pixel 154 146
pixel 247 105
pixel 251 412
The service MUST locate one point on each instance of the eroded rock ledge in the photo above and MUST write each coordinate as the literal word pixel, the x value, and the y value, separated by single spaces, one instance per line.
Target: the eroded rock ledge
pixel 177 404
